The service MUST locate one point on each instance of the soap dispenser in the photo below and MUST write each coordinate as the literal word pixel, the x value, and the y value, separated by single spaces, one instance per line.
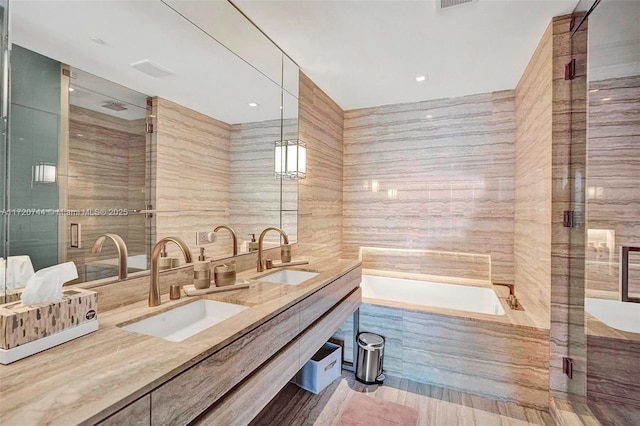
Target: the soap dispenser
pixel 202 272
pixel 253 244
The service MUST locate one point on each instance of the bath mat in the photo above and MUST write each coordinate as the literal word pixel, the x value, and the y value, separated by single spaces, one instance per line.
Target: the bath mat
pixel 364 410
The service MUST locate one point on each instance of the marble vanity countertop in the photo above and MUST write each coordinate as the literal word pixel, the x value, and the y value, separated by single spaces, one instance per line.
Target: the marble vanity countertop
pixel 91 377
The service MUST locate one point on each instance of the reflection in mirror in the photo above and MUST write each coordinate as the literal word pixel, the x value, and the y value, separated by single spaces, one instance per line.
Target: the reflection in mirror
pixel 4 98
pixel 229 27
pixel 290 76
pixel 105 173
pixel 613 147
pixel 187 170
pixel 254 185
pixel 77 161
pixel 613 211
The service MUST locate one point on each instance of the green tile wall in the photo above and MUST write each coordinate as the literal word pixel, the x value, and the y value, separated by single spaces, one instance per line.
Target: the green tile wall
pixel 34 124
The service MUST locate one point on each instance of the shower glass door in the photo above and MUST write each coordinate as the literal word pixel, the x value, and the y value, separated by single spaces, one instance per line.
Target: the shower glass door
pixel 612 212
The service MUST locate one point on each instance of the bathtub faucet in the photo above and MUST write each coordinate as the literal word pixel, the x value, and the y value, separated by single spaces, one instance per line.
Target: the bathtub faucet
pixel 512 301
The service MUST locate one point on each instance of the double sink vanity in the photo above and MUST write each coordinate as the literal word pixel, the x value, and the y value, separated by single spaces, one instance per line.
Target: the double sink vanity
pixel 212 359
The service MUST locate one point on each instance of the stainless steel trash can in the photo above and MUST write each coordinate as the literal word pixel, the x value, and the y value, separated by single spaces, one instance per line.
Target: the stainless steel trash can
pixel 370 356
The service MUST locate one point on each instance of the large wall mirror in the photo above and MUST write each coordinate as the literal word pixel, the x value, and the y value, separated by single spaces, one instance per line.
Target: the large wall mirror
pixel 162 125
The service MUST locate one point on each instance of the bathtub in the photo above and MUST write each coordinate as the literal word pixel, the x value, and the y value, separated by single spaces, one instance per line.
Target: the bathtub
pixel 623 316
pixel 472 347
pixel 426 293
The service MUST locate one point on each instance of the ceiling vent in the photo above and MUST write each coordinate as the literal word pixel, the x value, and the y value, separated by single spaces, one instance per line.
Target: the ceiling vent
pixel 114 106
pixel 151 68
pixel 446 4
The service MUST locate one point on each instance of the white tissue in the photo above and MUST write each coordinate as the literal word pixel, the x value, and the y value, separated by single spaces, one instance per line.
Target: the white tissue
pixel 19 271
pixel 46 285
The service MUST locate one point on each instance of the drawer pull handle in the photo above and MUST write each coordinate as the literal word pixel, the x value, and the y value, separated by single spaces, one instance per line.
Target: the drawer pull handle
pixel 330 365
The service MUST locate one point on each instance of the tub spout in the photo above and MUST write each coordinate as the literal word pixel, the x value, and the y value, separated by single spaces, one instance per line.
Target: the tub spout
pixel 512 301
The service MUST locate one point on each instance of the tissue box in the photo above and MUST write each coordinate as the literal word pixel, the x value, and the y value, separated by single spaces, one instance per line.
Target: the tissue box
pixel 23 324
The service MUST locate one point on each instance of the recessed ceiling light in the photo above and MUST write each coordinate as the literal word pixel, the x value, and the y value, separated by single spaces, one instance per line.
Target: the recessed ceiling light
pixel 96 40
pixel 606 99
pixel 429 116
pixel 593 90
pixel 421 78
pixel 253 104
pixel 71 89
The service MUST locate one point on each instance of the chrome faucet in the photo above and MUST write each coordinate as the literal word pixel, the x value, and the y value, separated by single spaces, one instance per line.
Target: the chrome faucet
pixel 284 236
pixel 233 235
pixel 154 283
pixel 122 252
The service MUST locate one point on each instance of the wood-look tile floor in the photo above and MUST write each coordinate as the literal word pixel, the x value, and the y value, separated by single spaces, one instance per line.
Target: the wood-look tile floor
pixel 436 406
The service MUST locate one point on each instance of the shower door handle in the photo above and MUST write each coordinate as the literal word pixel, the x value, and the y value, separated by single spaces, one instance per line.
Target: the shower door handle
pixel 624 274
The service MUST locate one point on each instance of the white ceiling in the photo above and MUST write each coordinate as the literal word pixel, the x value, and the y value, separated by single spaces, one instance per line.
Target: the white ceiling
pixel 91 92
pixel 367 53
pixel 362 53
pixel 207 77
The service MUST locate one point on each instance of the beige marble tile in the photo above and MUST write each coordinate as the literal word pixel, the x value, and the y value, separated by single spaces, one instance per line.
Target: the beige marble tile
pixel 613 196
pixel 496 360
pixel 106 170
pixel 200 191
pixel 254 190
pixel 611 413
pixel 566 413
pixel 435 175
pixel 431 262
pixel 594 412
pixel 435 405
pixel 613 373
pixel 532 237
pixel 320 194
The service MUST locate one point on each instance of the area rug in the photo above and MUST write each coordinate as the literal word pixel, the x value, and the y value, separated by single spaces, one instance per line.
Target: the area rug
pixel 364 410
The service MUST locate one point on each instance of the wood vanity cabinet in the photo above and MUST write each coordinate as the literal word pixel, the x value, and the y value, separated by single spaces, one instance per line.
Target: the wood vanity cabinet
pixel 184 397
pixel 232 385
pixel 246 401
pixel 138 413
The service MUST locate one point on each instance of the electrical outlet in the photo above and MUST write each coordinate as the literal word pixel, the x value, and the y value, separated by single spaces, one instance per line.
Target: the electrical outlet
pixel 205 237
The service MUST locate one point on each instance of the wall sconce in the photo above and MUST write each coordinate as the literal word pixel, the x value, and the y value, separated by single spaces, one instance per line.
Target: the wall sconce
pixel 44 173
pixel 291 159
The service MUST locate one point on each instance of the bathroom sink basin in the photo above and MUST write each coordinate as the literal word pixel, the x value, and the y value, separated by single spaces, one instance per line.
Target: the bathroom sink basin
pixel 288 276
pixel 184 321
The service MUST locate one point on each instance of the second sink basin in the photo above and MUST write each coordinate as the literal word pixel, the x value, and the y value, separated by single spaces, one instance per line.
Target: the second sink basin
pixel 184 321
pixel 288 276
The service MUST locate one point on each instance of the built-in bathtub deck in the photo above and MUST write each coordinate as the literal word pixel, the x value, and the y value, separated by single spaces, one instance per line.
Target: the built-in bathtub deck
pixel 501 357
pixel 526 317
